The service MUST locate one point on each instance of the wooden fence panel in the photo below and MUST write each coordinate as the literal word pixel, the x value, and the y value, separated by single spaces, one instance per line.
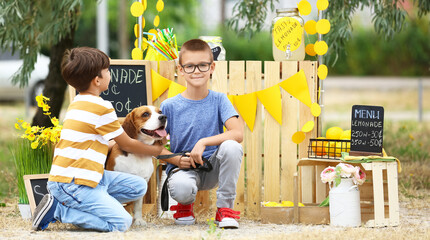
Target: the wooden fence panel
pixel 253 145
pixel 271 140
pixel 288 128
pixel 237 87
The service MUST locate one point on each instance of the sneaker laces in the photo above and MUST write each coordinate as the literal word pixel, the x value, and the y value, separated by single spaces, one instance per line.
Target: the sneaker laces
pixel 182 210
pixel 227 213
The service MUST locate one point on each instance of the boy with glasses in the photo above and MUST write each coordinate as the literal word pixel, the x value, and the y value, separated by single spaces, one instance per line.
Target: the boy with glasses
pixel 196 120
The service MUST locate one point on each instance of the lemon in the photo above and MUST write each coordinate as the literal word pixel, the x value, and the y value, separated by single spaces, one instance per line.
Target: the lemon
pixel 346 135
pixel 287 204
pixel 333 149
pixel 333 133
pixel 318 148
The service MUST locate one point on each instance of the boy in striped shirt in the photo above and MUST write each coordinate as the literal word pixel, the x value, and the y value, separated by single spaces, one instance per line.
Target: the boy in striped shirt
pixel 81 192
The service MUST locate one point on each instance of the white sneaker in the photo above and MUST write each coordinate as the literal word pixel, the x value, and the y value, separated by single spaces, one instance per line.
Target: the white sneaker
pixel 184 214
pixel 226 218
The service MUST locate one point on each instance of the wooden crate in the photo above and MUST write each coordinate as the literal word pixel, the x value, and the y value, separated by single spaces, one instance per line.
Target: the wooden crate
pixel 310 214
pixel 378 195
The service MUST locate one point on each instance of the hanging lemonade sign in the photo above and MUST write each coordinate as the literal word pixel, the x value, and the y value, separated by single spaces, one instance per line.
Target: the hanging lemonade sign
pixel 287 31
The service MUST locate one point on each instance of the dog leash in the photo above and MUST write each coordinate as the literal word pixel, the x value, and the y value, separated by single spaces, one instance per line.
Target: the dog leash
pixel 206 167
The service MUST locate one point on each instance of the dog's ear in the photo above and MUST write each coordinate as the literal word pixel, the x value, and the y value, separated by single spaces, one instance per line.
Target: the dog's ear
pixel 128 125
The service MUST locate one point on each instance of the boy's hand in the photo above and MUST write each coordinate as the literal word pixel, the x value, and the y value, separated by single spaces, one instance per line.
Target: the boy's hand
pixel 185 162
pixel 197 153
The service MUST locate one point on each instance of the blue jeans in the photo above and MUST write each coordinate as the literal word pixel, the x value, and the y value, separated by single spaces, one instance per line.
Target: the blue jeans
pixel 98 208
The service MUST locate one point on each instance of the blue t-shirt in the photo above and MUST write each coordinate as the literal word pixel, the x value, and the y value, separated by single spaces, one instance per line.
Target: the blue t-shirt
pixel 191 120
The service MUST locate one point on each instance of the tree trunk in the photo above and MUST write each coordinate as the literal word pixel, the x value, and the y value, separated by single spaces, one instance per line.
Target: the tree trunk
pixel 55 86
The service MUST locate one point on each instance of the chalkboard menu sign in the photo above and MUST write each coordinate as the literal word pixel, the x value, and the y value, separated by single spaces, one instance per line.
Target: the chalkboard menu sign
pixel 35 186
pixel 130 85
pixel 367 130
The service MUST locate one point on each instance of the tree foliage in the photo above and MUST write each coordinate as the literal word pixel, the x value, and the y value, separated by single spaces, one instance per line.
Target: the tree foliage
pixel 26 26
pixel 387 16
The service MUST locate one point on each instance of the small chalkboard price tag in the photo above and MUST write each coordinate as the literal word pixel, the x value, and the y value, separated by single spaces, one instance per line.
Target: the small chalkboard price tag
pixel 36 188
pixel 367 130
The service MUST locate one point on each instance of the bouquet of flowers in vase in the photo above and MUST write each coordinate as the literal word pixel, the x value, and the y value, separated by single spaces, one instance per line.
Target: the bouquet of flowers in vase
pixel 343 170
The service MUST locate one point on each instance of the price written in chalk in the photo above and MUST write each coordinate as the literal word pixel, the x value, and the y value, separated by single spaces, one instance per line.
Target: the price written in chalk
pixel 367 129
pixel 128 87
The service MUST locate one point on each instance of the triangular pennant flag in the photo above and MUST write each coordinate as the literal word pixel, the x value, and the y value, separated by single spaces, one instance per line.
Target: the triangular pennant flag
pixel 272 102
pixel 297 86
pixel 231 98
pixel 175 89
pixel 159 84
pixel 247 106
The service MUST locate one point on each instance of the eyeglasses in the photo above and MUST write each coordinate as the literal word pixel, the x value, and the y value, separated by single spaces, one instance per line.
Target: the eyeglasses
pixel 190 68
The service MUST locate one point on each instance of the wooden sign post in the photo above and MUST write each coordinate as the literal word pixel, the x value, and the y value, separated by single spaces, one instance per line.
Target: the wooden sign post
pixel 367 130
pixel 130 85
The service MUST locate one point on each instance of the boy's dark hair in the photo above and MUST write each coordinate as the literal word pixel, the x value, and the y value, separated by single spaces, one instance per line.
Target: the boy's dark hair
pixel 81 65
pixel 195 45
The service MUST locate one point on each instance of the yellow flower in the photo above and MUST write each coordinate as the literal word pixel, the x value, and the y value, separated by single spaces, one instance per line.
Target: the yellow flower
pixel 31 136
pixel 34 144
pixel 17 126
pixel 25 125
pixel 54 121
pixel 46 108
pixel 28 130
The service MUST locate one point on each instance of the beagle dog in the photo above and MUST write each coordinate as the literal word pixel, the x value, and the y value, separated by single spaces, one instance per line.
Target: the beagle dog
pixel 146 124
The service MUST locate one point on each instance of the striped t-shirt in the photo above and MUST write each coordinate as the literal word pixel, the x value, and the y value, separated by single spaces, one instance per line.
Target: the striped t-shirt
pixel 89 124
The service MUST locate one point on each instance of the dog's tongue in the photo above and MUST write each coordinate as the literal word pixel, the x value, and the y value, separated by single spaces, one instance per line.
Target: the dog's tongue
pixel 161 132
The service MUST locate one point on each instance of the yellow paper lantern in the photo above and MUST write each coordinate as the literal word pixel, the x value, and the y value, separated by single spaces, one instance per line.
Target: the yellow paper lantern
pixel 298 137
pixel 309 125
pixel 153 31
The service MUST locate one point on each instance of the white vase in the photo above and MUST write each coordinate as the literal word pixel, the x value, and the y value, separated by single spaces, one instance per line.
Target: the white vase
pixel 25 211
pixel 345 204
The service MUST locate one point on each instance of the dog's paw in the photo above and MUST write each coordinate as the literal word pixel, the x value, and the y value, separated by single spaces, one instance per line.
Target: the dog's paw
pixel 139 222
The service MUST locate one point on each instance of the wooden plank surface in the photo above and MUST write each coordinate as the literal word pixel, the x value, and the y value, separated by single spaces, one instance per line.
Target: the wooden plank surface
pixel 253 144
pixel 308 183
pixel 271 140
pixel 378 193
pixel 393 193
pixel 288 128
pixel 237 86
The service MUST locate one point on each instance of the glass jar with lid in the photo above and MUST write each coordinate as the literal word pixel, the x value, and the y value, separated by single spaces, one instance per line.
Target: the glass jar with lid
pixel 288 35
pixel 215 43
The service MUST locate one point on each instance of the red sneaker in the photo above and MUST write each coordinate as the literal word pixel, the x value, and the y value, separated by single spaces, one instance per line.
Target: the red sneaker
pixel 184 214
pixel 225 218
